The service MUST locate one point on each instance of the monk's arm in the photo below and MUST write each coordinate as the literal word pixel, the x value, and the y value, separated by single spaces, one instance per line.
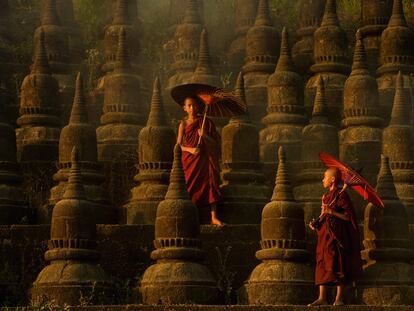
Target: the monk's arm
pixel 339 215
pixel 180 138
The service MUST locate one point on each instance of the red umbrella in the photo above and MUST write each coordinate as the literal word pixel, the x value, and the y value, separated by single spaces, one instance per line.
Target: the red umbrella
pixel 217 102
pixel 353 179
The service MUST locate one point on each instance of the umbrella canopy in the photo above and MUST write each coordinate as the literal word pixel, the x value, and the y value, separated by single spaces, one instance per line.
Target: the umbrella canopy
pixel 353 179
pixel 219 102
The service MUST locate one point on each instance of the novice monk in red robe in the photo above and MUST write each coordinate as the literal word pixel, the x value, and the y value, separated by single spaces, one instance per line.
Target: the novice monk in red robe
pixel 338 260
pixel 200 162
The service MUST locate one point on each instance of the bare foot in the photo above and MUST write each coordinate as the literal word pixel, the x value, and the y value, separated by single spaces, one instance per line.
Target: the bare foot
pixel 217 222
pixel 317 302
pixel 338 302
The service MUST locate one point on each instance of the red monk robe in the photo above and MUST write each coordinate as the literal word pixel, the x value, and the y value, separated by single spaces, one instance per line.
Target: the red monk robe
pixel 202 171
pixel 338 259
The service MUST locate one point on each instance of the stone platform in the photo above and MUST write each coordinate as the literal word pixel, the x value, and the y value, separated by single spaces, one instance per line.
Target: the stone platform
pixel 125 253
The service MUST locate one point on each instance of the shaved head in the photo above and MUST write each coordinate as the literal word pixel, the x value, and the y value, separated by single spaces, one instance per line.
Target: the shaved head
pixel 331 177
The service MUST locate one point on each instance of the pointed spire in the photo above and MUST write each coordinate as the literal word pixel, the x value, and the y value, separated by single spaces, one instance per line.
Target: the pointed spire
pixel 121 16
pixel 204 60
pixel 359 64
pixel 122 55
pixel 283 188
pixel 49 14
pixel 263 16
pixel 397 17
pixel 192 15
pixel 157 115
pixel 320 109
pixel 330 18
pixel 41 64
pixel 401 110
pixel 385 182
pixel 285 62
pixel 239 92
pixel 239 89
pixel 177 188
pixel 74 188
pixel 79 112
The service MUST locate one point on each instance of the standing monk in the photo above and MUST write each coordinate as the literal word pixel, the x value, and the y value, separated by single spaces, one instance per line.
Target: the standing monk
pixel 200 161
pixel 338 260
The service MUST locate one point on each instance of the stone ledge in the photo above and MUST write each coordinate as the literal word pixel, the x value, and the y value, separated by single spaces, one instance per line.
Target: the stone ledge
pixel 224 307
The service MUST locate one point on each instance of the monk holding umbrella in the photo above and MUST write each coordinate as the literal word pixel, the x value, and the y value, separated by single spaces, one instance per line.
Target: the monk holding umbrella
pixel 338 259
pixel 200 141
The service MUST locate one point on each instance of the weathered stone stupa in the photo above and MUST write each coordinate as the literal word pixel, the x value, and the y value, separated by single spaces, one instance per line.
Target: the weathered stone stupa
pixel 155 153
pixel 331 62
pixel 374 19
pixel 121 123
pixel 396 52
pixel 285 117
pixel 120 20
pixel 310 16
pixel 73 271
pixel 80 134
pixel 12 204
pixel 67 19
pixel 57 50
pixel 397 144
pixel 243 190
pixel 39 124
pixel 187 38
pixel 389 271
pixel 244 16
pixel 360 139
pixel 284 276
pixel 262 52
pixel 178 276
pixel 204 72
pixel 319 135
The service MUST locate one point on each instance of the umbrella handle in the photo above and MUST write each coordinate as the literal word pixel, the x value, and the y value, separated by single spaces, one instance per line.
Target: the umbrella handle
pixel 202 125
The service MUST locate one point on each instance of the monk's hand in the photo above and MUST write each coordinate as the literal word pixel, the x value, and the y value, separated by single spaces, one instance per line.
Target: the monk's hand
pixel 200 133
pixel 195 151
pixel 310 226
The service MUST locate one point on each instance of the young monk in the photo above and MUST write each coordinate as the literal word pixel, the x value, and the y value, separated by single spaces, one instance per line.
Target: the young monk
pixel 338 260
pixel 200 162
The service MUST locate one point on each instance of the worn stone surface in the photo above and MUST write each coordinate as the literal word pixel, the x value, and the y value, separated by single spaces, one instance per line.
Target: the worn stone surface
pixel 389 270
pixel 396 54
pixel 331 62
pixel 155 155
pixel 244 16
pixel 360 139
pixel 319 135
pixel 73 271
pixel 262 52
pixel 397 144
pixel 57 41
pixel 375 15
pixel 178 276
pixel 121 19
pixel 66 15
pixel 310 16
pixel 186 44
pixel 243 188
pixel 39 124
pixel 121 123
pixel 285 267
pixel 285 116
pixel 12 205
pixel 80 134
